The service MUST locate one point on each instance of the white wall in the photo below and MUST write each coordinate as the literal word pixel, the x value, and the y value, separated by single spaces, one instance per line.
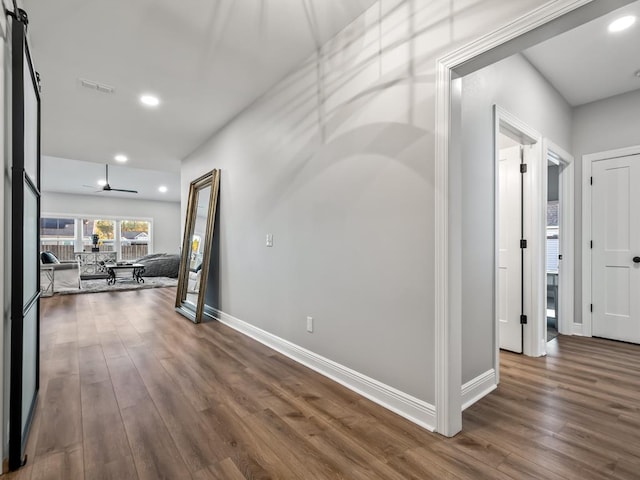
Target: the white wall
pixel 599 126
pixel 517 87
pixel 165 215
pixel 336 162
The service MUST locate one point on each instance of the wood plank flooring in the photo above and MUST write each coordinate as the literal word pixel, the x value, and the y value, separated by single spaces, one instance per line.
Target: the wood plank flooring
pixel 131 390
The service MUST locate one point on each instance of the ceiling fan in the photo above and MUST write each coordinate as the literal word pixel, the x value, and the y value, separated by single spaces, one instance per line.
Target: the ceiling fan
pixel 107 187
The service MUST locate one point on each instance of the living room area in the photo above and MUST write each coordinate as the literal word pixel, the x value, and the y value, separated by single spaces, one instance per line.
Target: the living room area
pixel 84 227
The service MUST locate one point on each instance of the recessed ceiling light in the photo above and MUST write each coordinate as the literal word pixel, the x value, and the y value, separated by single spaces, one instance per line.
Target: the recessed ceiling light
pixel 622 23
pixel 102 183
pixel 121 158
pixel 150 100
pixel 162 189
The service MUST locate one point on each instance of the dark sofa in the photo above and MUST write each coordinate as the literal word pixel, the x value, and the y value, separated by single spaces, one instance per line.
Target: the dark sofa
pixel 160 265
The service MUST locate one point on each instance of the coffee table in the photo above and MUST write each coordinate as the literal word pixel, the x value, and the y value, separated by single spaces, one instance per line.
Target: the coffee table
pixel 113 269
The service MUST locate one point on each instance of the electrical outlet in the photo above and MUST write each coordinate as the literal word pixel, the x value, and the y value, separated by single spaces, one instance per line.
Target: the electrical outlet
pixel 310 324
pixel 269 240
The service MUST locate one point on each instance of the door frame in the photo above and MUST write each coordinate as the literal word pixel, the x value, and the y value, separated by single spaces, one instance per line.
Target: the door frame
pixel 532 276
pixel 586 328
pixel 541 23
pixel 534 333
pixel 566 283
pixel 23 78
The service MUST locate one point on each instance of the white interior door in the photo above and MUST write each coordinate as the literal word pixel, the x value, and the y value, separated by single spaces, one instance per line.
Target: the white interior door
pixel 509 253
pixel 615 229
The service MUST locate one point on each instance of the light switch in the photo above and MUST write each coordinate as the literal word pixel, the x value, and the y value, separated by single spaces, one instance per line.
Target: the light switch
pixel 269 240
pixel 310 324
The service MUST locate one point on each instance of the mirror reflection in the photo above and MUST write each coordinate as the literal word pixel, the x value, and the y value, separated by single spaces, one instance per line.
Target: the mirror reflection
pixel 196 248
pixel 195 261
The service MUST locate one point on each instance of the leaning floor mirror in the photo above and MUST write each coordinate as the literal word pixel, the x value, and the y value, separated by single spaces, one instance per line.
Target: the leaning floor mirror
pixel 196 245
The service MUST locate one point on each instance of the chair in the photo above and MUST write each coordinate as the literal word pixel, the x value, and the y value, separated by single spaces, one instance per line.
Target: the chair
pixel 193 286
pixel 56 275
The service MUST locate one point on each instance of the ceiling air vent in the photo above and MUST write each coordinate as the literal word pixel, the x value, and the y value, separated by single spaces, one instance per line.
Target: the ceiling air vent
pixel 100 87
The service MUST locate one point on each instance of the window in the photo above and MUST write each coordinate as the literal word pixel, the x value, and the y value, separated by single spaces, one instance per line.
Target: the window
pixel 57 235
pixel 105 231
pixel 130 238
pixel 196 252
pixel 553 245
pixel 134 238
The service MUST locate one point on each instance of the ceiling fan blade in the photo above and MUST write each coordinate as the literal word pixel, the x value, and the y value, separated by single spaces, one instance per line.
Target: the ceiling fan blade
pixel 107 187
pixel 122 190
pixel 93 186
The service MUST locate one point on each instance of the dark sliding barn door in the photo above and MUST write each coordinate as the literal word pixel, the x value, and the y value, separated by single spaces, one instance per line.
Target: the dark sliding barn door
pixel 25 214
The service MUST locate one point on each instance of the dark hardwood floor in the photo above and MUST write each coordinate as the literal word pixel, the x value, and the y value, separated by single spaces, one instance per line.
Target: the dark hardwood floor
pixel 130 389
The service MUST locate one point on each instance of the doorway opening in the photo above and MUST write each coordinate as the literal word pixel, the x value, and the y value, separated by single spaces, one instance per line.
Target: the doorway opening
pixel 558 195
pixel 517 152
pixel 453 302
pixel 534 248
pixel 552 243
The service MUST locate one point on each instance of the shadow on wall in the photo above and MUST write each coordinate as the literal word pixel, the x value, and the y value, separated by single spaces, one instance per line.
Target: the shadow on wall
pixel 328 114
pixel 402 54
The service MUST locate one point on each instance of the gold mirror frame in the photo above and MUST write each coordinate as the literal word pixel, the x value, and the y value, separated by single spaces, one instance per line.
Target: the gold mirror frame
pixel 210 179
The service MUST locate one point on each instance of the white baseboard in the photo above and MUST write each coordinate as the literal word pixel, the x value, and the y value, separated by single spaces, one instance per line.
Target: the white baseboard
pixel 578 329
pixel 475 389
pixel 405 405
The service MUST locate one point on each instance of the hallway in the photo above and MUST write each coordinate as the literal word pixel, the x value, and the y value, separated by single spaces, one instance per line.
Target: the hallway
pixel 130 389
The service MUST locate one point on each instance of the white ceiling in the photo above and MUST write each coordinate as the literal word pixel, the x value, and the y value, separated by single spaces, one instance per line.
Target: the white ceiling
pixel 588 63
pixel 206 60
pixel 74 176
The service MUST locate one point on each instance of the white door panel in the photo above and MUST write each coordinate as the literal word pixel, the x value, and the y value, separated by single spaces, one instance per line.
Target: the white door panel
pixel 616 241
pixel 509 254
